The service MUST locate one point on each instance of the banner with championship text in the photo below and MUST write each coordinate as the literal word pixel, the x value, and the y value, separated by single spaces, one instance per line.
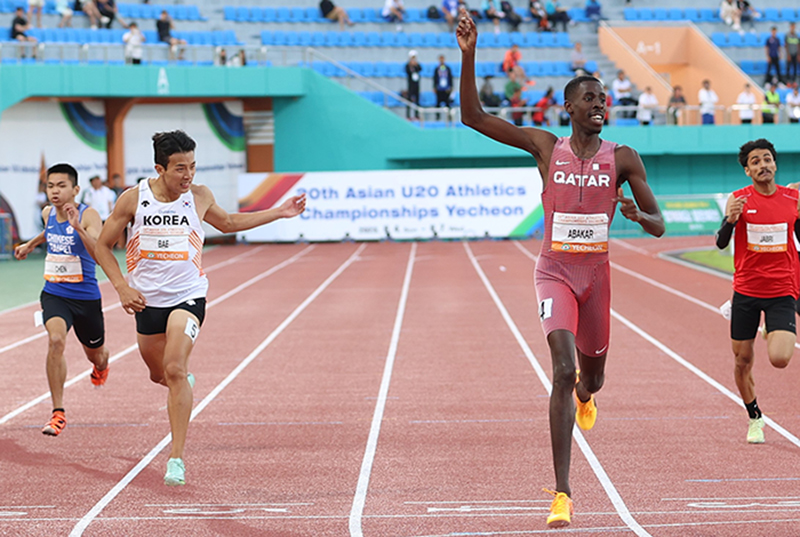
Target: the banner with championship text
pixel 397 204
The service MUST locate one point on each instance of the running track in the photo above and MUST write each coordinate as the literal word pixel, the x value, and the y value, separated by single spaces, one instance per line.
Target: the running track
pixel 400 389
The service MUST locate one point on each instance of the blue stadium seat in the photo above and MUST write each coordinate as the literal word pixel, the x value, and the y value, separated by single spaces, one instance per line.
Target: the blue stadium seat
pixel 304 39
pixel 256 14
pixel 708 15
pixel 356 14
pixel 771 14
pixel 428 69
pixel 691 14
pixel 415 40
pixel 298 14
pixel 381 70
pixel 720 39
pixel 788 14
pixel 414 15
pixel 242 14
pixel 659 14
pixel 229 12
pixel 194 13
pixel 396 70
pixel 645 14
pixel 631 14
pixel 388 39
pixel 402 40
pixel 447 40
pixel 367 69
pixel 373 39
pixel 626 122
pixel 503 40
pixel 517 38
pixel 549 69
pixel 735 40
pixel 548 39
pixel 317 39
pixel 292 39
pixel 562 40
pixel 590 66
pixel 533 39
pixel 181 12
pixel 356 39
pixel 278 38
pixel 431 40
pixel 563 69
pixel 283 14
pixel 427 99
pixel 372 15
pixel 269 14
pixel 675 14
pixel 313 14
pixel 331 39
pixel 752 40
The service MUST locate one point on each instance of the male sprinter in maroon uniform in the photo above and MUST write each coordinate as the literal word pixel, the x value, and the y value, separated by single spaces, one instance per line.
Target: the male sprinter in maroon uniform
pixel 766 276
pixel 582 176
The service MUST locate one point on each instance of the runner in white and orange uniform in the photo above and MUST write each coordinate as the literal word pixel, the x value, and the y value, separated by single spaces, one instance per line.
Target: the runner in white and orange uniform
pixel 762 218
pixel 166 287
pixel 583 177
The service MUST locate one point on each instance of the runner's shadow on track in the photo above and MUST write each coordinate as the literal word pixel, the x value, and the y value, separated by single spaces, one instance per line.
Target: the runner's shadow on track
pixel 11 451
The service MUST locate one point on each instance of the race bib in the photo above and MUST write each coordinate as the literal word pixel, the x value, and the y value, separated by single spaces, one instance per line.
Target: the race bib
pixel 164 244
pixel 765 238
pixel 579 233
pixel 60 268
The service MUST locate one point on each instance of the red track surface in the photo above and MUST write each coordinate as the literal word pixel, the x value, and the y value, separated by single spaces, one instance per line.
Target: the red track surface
pixel 290 371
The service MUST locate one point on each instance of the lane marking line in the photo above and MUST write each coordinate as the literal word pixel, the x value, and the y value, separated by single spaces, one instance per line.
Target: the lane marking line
pixel 84 522
pixel 675 356
pixel 357 509
pixel 133 347
pixel 598 469
pixel 115 305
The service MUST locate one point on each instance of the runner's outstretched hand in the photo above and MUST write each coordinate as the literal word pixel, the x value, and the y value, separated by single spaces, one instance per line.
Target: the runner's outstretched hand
pixel 466 32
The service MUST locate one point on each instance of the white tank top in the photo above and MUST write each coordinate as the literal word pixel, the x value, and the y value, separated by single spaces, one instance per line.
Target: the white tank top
pixel 164 251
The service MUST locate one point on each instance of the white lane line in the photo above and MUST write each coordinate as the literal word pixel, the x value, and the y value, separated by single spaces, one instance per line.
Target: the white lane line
pixel 602 476
pixel 631 247
pixel 675 356
pixel 115 305
pixel 84 522
pixel 357 509
pixel 119 355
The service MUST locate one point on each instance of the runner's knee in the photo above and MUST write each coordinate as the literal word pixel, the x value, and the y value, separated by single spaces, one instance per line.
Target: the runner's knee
pixel 57 343
pixel 593 383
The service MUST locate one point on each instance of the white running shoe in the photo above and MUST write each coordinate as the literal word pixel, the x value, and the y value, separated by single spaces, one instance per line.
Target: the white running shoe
pixel 755 431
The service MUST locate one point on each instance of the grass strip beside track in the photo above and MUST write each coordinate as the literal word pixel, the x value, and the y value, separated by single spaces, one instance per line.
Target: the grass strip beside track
pixel 721 260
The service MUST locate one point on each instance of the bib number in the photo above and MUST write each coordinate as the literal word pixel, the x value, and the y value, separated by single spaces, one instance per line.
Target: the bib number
pixel 164 244
pixel 580 233
pixel 767 238
pixel 63 268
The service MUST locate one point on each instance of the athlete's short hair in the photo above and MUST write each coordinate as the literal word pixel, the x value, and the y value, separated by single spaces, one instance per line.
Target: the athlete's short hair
pixel 761 143
pixel 572 85
pixel 64 168
pixel 166 144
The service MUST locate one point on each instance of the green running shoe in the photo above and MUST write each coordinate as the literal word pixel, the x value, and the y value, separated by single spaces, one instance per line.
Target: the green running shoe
pixel 176 472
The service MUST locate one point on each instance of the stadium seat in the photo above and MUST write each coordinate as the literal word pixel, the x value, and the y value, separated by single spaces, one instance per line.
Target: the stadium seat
pixel 242 14
pixel 533 39
pixel 304 39
pixel 752 40
pixel 317 39
pixel 788 14
pixel 414 15
pixel 431 40
pixel 373 39
pixel 381 69
pixel 356 14
pixel 181 12
pixel 292 39
pixel 631 14
pixel 503 40
pixel 659 14
pixel 229 13
pixel 735 39
pixel 415 40
pixel 548 39
pixel 402 39
pixel 313 14
pixel 675 14
pixel 372 15
pixel 388 39
pixel 562 40
pixel 590 66
pixel 357 39
pixel 447 40
pixel 720 39
pixel 708 15
pixel 517 38
pixel 269 14
pixel 626 122
pixel 691 14
pixel 645 14
pixel 427 99
pixel 283 14
pixel 298 14
pixel 771 14
pixel 194 13
pixel 748 66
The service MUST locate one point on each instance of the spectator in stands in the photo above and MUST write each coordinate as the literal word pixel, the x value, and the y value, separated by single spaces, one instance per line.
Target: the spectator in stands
pixel 62 8
pixel 413 69
pixel 511 58
pixel 708 100
pixel 164 26
pixel 648 103
pixel 577 60
pixel 746 100
pixel 442 84
pixel 609 100
pixel 510 15
pixel 487 95
pixel 748 13
pixel 539 116
pixel 134 39
pixel 490 10
pixel 450 12
pixel 90 9
pixel 793 105
pixel 517 101
pixel 238 60
pixel 621 88
pixel 730 13
pixel 792 45
pixel 556 14
pixel 18 28
pixel 222 56
pixel 109 13
pixel 394 11
pixel 676 103
pixel 512 85
pixel 771 104
pixel 539 15
pixel 99 197
pixel 593 11
pixel 35 5
pixel 335 13
pixel 773 50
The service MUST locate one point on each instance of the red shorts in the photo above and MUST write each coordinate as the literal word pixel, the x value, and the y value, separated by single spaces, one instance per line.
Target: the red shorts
pixel 575 298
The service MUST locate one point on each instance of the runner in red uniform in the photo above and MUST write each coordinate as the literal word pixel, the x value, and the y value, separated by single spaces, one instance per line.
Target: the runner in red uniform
pixel 767 272
pixel 583 177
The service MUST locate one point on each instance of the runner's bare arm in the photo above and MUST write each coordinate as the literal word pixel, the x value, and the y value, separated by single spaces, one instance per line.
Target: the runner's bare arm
pixel 87 226
pixel 232 222
pixel 21 251
pixel 537 142
pixel 645 211
pixel 124 211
